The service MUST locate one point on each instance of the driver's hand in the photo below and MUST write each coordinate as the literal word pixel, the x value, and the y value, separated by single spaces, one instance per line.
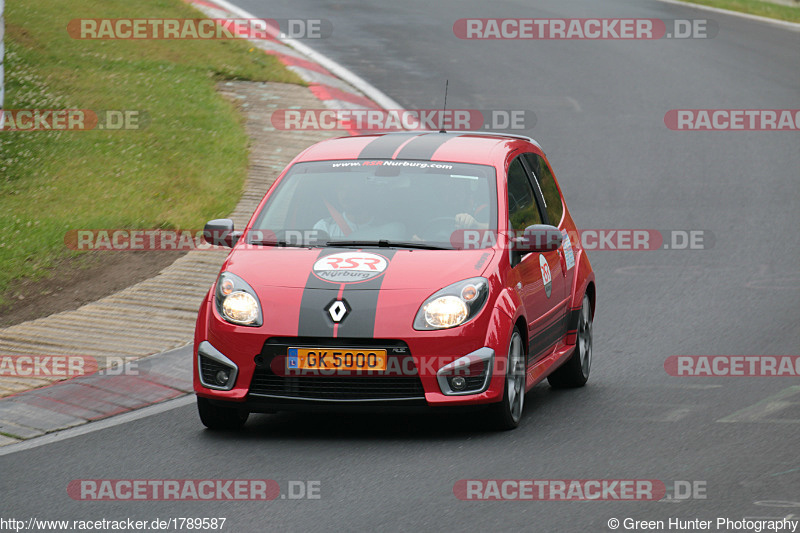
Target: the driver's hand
pixel 465 220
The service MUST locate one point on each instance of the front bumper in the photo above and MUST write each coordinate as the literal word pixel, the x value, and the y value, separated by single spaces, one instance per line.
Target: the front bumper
pixel 256 357
pixel 409 380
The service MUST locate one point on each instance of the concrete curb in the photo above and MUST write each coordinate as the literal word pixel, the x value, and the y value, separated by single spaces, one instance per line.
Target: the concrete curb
pixel 129 324
pixel 74 402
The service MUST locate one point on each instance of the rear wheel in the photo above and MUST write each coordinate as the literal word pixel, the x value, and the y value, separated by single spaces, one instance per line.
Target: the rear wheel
pixel 216 417
pixel 507 414
pixel 575 372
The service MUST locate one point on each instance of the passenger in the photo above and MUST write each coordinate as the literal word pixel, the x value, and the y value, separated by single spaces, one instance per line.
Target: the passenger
pixel 356 212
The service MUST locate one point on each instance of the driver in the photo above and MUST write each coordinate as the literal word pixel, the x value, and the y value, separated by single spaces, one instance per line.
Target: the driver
pixel 469 221
pixel 355 214
pixel 473 216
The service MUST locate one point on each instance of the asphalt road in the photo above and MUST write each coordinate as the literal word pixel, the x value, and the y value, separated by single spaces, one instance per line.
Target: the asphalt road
pixel 600 109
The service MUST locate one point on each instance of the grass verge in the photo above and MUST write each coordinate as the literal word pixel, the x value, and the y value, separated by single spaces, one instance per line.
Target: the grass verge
pixel 755 7
pixel 186 166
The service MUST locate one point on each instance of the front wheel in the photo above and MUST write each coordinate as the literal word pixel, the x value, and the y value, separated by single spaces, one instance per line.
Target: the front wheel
pixel 216 417
pixel 507 414
pixel 575 372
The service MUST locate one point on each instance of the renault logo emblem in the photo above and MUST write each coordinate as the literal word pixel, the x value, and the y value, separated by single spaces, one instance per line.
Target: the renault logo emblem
pixel 338 310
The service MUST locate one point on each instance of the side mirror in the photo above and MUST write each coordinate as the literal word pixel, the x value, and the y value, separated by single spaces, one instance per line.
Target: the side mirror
pixel 219 232
pixel 538 238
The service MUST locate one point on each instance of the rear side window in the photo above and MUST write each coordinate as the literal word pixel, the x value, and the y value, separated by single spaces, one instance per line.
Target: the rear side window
pixel 522 208
pixel 552 199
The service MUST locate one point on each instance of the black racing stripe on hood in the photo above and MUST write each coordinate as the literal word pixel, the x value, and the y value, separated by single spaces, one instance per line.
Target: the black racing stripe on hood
pixel 385 146
pixel 317 295
pixel 424 146
pixel 361 299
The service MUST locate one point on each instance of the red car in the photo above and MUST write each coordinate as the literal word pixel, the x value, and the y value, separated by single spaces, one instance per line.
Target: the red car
pixel 403 270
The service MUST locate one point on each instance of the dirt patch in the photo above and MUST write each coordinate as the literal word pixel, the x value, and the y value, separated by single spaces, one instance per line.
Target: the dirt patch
pixel 80 280
pixel 22 36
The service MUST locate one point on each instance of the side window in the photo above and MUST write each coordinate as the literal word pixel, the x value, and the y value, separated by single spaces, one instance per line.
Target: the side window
pixel 548 185
pixel 522 208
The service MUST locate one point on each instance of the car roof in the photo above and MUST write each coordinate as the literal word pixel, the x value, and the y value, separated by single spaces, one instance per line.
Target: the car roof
pixel 457 146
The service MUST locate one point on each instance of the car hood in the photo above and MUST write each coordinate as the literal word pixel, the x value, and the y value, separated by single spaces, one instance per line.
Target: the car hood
pixel 367 269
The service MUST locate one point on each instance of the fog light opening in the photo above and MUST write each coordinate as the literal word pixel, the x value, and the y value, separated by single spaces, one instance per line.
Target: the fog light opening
pixel 222 377
pixel 458 383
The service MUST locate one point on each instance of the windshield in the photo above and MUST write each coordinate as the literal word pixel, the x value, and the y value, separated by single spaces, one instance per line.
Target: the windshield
pixel 421 204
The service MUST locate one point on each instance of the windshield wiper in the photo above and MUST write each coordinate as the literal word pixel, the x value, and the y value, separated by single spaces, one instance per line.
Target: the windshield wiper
pixel 280 244
pixel 387 244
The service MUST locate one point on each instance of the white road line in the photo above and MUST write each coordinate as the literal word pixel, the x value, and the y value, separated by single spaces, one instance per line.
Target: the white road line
pixel 763 410
pixel 792 26
pixel 353 79
pixel 91 427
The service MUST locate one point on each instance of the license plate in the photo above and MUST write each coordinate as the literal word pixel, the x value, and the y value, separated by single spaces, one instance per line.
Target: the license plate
pixel 335 359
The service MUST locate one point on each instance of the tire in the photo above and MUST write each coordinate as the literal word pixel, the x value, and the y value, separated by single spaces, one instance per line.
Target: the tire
pixel 220 418
pixel 507 414
pixel 575 372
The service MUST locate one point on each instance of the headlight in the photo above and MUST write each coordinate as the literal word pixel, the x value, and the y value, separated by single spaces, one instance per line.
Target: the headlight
pixel 236 301
pixel 453 305
pixel 240 307
pixel 446 312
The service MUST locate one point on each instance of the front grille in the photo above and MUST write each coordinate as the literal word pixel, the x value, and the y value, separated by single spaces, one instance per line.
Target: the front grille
pixel 337 388
pixel 340 387
pixel 209 369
